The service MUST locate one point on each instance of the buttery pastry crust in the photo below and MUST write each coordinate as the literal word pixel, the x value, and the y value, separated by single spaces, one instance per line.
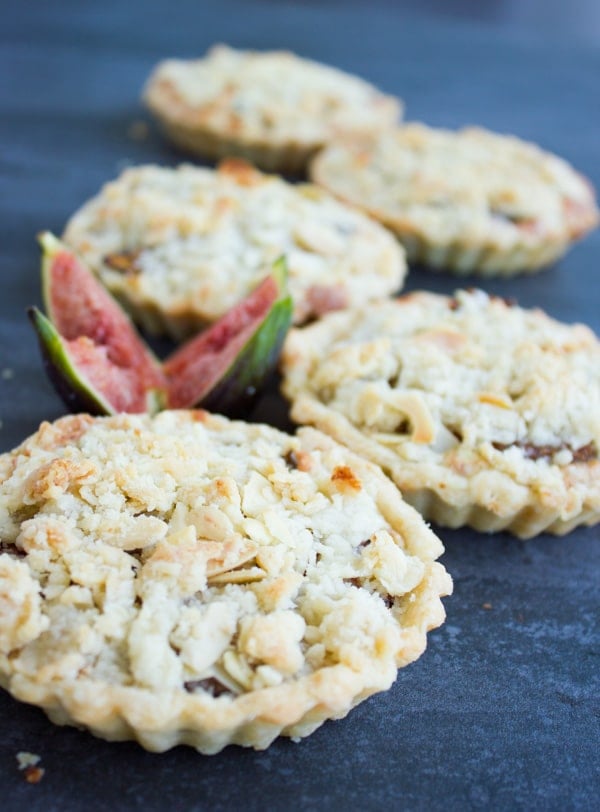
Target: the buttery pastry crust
pixel 187 579
pixel 483 413
pixel 272 108
pixel 468 201
pixel 180 247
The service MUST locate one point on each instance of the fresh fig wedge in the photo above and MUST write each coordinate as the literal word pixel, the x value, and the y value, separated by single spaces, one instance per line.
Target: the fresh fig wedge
pixel 86 378
pixel 223 368
pixel 99 363
pixel 78 305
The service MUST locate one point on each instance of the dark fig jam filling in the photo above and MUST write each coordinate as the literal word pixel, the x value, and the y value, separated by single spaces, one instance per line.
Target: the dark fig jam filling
pixel 124 262
pixel 585 453
pixel 210 685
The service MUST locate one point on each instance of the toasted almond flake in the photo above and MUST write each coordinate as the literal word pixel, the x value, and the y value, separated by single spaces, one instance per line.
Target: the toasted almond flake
pixel 413 404
pixel 345 479
pixel 232 554
pixel 238 669
pixel 237 576
pixel 495 399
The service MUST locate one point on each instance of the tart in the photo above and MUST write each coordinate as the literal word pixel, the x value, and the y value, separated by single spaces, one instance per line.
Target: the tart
pixel 272 108
pixel 180 247
pixel 185 579
pixel 469 201
pixel 483 413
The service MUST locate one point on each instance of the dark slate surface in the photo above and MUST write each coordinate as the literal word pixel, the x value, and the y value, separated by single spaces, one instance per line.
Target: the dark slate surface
pixel 502 712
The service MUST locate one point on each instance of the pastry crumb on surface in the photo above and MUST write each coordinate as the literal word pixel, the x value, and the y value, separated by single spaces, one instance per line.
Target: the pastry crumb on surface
pixel 26 759
pixel 33 775
pixel 29 763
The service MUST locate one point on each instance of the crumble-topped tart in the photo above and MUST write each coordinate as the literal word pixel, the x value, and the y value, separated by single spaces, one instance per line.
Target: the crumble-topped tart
pixel 180 247
pixel 272 108
pixel 187 579
pixel 483 413
pixel 468 201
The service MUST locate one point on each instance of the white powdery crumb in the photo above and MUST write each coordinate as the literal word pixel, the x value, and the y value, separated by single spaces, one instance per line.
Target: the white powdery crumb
pixel 8 373
pixel 25 759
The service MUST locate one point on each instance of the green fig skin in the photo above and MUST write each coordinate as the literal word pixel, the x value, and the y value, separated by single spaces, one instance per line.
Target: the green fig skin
pixel 224 368
pixel 78 305
pixel 77 394
pixel 238 387
pixel 84 393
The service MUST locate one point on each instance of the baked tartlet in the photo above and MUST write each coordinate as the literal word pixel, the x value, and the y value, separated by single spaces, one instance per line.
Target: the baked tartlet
pixel 272 108
pixel 187 579
pixel 180 247
pixel 483 413
pixel 468 201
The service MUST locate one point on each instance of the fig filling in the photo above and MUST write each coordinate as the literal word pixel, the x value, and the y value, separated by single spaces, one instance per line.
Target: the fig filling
pixel 520 221
pixel 509 301
pixel 210 685
pixel 388 600
pixel 11 549
pixel 297 460
pixel 291 459
pixel 124 262
pixel 325 298
pixel 585 453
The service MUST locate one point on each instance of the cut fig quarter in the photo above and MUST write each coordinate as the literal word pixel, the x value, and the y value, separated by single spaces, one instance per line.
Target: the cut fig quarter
pixel 223 367
pixel 86 378
pixel 98 362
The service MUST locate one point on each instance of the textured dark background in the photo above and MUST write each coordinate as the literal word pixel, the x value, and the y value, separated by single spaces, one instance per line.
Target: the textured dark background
pixel 503 710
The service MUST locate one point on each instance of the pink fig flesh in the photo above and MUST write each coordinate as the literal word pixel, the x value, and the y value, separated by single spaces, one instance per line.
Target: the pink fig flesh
pixel 193 370
pixel 79 307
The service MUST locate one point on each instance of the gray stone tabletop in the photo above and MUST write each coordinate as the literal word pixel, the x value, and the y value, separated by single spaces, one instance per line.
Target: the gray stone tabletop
pixel 503 709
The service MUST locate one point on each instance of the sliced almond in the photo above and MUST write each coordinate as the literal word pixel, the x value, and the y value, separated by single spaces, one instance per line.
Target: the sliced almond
pixel 495 399
pixel 228 555
pixel 414 406
pixel 238 669
pixel 245 575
